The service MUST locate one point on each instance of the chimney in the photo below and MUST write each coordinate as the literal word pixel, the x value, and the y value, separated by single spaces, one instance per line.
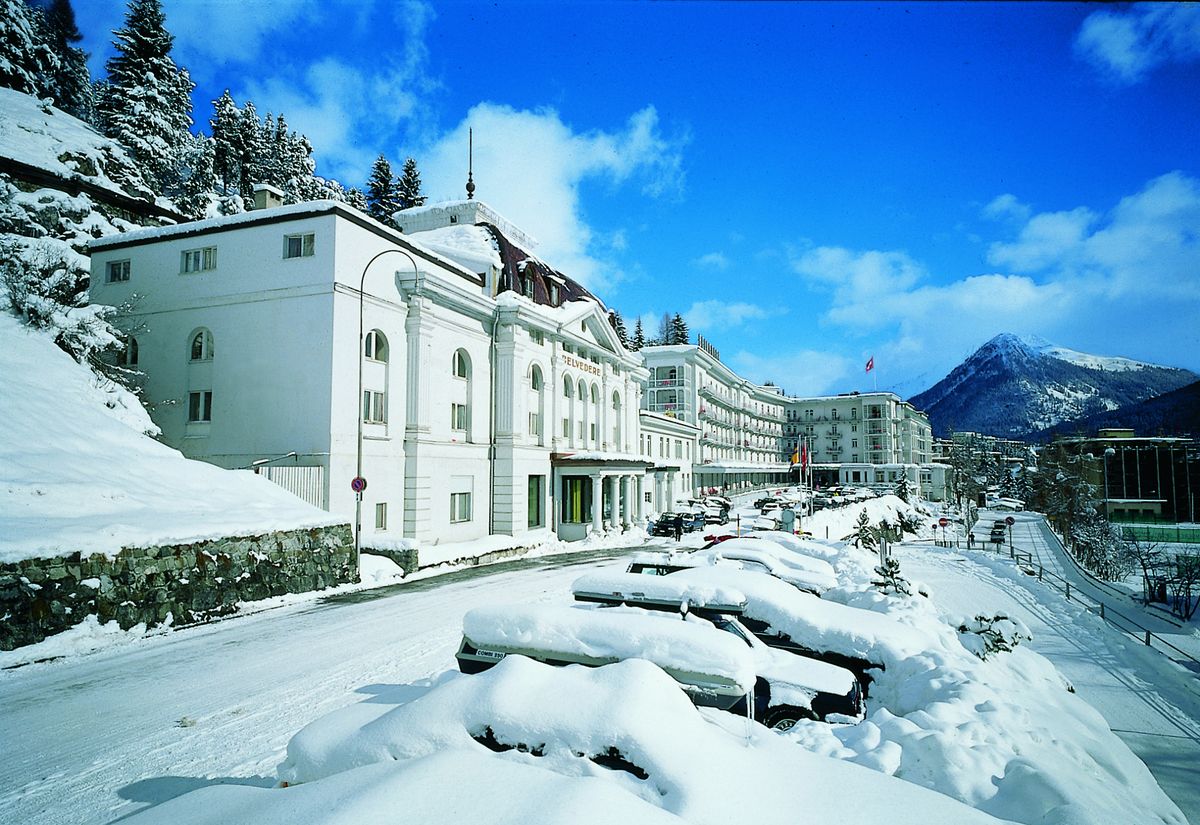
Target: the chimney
pixel 267 196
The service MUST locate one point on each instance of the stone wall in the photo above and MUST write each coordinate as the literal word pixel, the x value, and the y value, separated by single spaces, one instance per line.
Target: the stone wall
pixel 191 583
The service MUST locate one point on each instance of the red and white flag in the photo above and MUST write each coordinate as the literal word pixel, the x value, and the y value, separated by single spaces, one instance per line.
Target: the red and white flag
pixel 871 363
pixel 804 456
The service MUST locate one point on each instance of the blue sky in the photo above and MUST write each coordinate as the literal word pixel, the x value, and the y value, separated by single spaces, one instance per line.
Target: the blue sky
pixel 809 184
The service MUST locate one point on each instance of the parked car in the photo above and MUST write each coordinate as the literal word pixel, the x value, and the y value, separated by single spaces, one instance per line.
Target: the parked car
pixel 707 599
pixel 664 526
pixel 693 521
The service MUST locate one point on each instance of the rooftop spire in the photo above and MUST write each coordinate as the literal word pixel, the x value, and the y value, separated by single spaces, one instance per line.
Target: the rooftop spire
pixel 470 163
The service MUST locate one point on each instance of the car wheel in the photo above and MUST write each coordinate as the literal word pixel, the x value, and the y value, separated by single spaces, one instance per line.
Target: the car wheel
pixel 784 717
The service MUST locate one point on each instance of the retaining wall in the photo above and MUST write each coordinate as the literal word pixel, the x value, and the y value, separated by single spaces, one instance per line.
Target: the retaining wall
pixel 189 582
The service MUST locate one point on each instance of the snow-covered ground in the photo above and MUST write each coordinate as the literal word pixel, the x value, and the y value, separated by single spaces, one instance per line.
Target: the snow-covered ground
pixel 96 740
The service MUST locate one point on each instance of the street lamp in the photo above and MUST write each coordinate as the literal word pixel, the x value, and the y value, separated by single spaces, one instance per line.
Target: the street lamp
pixel 359 483
pixel 1108 453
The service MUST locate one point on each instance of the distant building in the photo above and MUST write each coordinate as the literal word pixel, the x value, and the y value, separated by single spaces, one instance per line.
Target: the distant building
pixel 672 444
pixel 740 422
pixel 1137 478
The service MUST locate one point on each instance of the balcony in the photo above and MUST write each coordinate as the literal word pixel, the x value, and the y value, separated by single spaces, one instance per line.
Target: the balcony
pixel 667 383
pixel 676 410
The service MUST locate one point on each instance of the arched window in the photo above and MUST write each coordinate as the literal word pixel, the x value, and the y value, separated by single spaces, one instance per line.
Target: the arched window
pixel 568 407
pixel 535 378
pixel 460 405
pixel 581 411
pixel 461 364
pixel 536 404
pixel 375 346
pixel 129 356
pixel 594 428
pixel 201 348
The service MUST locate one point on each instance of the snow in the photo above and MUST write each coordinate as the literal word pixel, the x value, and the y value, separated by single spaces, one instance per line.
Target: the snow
pixel 50 139
pixel 77 473
pixel 659 589
pixel 700 766
pixel 471 246
pixel 609 634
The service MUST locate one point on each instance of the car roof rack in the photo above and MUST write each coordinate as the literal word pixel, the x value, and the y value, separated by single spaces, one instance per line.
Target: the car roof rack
pixel 658 592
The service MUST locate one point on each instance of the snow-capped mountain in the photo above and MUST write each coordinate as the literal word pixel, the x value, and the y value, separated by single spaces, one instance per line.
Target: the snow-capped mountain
pixel 1013 386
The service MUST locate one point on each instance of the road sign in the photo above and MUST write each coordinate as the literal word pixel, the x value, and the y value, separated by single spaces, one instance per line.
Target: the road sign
pixel 358 484
pixel 942 522
pixel 1010 521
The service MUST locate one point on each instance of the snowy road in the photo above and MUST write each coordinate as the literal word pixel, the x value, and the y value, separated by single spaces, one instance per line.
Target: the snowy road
pixel 92 739
pixel 1152 703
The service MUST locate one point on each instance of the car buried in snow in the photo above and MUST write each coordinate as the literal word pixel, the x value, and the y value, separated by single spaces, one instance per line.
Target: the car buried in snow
pixel 715 661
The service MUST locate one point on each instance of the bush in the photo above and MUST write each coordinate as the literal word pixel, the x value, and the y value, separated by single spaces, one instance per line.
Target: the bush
pixel 985 635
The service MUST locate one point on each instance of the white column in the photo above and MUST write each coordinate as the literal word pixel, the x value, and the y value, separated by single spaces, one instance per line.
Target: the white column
pixel 597 503
pixel 670 502
pixel 614 491
pixel 626 501
pixel 640 508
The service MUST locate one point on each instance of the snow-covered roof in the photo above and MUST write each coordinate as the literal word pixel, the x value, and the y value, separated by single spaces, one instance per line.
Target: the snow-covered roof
pixel 636 589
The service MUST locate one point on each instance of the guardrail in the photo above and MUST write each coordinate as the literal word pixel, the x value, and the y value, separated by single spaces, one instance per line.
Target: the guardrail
pixel 1106 612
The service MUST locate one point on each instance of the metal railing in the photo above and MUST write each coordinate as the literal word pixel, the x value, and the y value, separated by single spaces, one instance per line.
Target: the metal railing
pixel 1105 611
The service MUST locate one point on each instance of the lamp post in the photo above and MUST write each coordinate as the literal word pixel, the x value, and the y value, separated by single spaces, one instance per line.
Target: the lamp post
pixel 1108 453
pixel 359 483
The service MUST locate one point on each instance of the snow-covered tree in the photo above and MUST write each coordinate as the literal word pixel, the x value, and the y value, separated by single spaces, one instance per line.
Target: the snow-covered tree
pixel 146 104
pixel 618 324
pixel 863 535
pixel 197 181
pixel 639 337
pixel 70 83
pixel 357 199
pixel 227 140
pixel 903 490
pixel 382 195
pixel 250 142
pixel 408 189
pixel 26 61
pixel 664 330
pixel 679 330
pixel 890 581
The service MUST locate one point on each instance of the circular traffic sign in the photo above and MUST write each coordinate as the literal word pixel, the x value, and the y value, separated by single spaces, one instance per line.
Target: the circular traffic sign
pixel 1010 521
pixel 358 484
pixel 942 522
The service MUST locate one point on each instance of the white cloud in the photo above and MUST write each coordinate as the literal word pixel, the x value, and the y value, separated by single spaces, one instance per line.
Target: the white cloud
pixel 1126 282
pixel 1006 207
pixel 529 166
pixel 708 316
pixel 713 260
pixel 212 33
pixel 1128 44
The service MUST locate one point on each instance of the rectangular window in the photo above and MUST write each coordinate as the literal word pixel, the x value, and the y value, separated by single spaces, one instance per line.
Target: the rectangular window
pixel 116 271
pixel 199 406
pixel 460 507
pixel 299 246
pixel 566 431
pixel 198 260
pixel 535 424
pixel 678 448
pixel 577 499
pixel 537 501
pixel 536 337
pixel 592 431
pixel 374 407
pixel 553 289
pixel 381 516
pixel 458 417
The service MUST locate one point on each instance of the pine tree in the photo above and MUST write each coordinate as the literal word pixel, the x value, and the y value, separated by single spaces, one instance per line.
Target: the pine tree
pixel 679 330
pixel 26 61
pixel 70 83
pixel 227 140
pixel 197 179
pixel 618 324
pixel 408 189
pixel 639 337
pixel 358 200
pixel 382 197
pixel 147 105
pixel 863 534
pixel 250 141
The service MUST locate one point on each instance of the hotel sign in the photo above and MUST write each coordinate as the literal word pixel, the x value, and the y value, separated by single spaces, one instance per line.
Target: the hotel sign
pixel 586 366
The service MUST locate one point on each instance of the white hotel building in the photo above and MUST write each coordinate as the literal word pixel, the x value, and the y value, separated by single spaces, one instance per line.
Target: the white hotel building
pixel 740 422
pixel 495 397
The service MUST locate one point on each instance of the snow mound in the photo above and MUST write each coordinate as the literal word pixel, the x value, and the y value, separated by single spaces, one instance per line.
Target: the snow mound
pixel 699 766
pixel 77 473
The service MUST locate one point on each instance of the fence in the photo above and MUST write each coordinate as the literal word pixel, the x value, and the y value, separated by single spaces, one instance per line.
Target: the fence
pixel 1174 534
pixel 1105 611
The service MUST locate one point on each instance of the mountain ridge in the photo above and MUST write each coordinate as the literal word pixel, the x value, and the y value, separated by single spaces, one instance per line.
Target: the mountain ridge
pixel 1020 387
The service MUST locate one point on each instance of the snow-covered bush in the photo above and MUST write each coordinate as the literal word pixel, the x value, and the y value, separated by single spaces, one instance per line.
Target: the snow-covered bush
pixel 985 635
pixel 863 535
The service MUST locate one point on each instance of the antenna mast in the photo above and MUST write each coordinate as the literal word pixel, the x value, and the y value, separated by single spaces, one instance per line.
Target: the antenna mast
pixel 470 163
